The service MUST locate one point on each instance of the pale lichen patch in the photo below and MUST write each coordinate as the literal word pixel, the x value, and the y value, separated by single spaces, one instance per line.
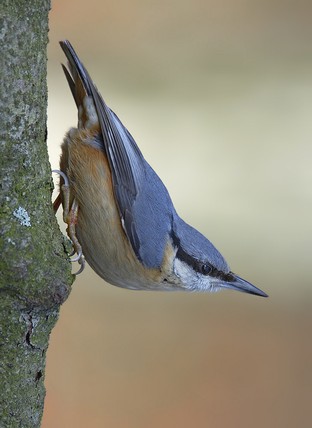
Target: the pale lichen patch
pixel 22 215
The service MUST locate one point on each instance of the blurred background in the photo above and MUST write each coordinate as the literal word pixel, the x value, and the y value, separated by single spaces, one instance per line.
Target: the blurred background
pixel 218 96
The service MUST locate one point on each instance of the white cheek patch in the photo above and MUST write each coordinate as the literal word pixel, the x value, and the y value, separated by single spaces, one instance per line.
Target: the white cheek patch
pixel 186 275
pixel 192 280
pixel 180 269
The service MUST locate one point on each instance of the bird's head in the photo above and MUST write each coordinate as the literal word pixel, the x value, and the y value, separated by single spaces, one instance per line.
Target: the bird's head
pixel 199 266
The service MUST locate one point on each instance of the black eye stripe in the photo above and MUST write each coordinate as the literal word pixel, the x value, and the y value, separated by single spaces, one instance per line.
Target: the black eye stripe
pixel 203 268
pixel 206 269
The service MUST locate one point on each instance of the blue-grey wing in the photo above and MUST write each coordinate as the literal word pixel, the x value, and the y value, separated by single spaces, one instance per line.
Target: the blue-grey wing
pixel 143 202
pixel 151 217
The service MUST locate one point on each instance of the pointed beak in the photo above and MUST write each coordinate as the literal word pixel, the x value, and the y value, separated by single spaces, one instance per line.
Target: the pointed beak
pixel 239 284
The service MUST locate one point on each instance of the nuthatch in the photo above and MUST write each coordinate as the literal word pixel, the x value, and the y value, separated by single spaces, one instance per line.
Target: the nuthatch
pixel 118 211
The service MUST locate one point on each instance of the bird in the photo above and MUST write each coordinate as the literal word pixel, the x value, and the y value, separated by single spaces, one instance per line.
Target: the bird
pixel 119 214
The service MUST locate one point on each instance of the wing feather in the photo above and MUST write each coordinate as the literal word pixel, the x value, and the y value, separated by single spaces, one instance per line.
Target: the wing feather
pixel 133 179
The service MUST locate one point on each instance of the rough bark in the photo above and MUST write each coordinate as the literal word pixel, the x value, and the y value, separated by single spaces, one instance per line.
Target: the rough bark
pixel 35 276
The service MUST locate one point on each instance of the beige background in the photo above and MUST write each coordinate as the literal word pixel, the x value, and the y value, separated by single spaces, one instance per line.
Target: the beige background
pixel 218 95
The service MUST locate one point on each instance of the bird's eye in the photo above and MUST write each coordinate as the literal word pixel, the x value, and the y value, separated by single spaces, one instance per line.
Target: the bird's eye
pixel 206 269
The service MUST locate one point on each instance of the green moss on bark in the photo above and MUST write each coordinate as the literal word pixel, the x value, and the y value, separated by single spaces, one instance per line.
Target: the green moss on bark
pixel 35 275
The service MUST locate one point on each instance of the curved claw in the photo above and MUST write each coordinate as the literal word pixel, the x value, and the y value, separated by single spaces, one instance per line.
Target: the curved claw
pixel 77 257
pixel 72 253
pixel 63 175
pixel 82 265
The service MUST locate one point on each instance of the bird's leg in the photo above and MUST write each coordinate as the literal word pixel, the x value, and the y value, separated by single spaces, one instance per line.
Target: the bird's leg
pixel 70 217
pixel 57 203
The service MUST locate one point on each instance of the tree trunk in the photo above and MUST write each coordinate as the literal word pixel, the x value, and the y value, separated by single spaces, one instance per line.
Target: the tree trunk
pixel 35 276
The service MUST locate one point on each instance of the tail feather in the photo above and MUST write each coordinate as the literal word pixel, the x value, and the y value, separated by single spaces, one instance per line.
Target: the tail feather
pixel 71 84
pixel 77 76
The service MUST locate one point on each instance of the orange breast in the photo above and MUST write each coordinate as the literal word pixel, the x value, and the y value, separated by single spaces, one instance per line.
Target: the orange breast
pixel 99 229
